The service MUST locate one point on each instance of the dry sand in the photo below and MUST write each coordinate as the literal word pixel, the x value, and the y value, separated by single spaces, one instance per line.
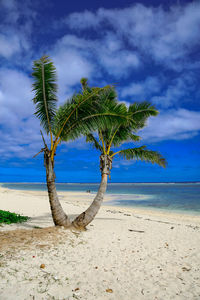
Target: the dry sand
pixel 125 254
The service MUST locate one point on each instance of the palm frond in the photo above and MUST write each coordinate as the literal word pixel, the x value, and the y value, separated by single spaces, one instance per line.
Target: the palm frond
pixel 45 89
pixel 140 112
pixel 90 115
pixel 134 137
pixel 124 134
pixel 141 153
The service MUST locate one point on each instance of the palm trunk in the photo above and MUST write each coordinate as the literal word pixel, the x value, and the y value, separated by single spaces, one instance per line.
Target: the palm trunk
pixel 88 216
pixel 58 215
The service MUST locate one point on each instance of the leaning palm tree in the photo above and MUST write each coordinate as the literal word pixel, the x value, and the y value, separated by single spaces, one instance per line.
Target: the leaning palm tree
pixel 80 115
pixel 115 136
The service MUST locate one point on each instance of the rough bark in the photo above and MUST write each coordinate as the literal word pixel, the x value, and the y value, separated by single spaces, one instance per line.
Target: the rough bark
pixel 88 216
pixel 58 215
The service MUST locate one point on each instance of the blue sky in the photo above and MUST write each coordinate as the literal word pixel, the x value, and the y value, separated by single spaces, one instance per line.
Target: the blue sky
pixel 151 49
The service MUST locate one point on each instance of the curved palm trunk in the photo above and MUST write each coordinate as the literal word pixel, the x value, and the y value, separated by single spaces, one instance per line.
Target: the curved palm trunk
pixel 88 216
pixel 58 215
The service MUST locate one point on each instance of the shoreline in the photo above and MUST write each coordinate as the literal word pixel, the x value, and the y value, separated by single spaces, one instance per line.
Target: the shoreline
pixel 124 253
pixel 74 199
pixel 86 198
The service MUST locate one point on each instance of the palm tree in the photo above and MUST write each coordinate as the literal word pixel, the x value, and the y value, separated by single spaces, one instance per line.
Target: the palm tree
pixel 80 115
pixel 115 136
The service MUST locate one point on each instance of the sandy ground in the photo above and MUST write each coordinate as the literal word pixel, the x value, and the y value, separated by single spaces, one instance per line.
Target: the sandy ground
pixel 124 255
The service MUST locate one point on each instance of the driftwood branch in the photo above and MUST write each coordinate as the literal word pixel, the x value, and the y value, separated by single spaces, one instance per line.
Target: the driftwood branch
pixel 140 231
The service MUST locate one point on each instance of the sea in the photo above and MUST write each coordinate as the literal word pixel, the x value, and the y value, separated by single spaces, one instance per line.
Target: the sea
pixel 174 197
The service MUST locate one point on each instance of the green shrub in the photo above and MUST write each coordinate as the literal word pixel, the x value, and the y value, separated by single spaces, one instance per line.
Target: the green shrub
pixel 8 217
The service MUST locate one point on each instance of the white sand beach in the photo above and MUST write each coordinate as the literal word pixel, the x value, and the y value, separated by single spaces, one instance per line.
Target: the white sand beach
pixel 126 254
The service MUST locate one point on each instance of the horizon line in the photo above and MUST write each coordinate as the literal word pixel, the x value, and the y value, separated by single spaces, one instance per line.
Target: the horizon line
pixel 43 182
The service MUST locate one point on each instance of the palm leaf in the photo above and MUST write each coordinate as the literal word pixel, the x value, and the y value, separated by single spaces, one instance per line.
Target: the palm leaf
pixel 134 137
pixel 140 112
pixel 142 154
pixel 90 115
pixel 123 134
pixel 45 88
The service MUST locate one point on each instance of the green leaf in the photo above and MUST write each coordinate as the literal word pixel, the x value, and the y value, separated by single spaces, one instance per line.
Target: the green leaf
pixel 141 153
pixel 8 217
pixel 45 89
pixel 97 112
pixel 140 112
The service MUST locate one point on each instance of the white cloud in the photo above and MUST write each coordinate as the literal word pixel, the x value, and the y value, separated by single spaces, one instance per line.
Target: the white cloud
pixel 142 89
pixel 19 129
pixel 178 91
pixel 22 140
pixel 16 27
pixel 8 45
pixel 118 63
pixel 71 67
pixel 15 94
pixel 166 36
pixel 172 125
pixel 95 56
pixel 162 91
pixel 114 58
pixel 87 20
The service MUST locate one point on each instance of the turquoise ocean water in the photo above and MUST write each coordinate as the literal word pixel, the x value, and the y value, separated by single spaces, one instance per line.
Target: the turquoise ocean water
pixel 179 197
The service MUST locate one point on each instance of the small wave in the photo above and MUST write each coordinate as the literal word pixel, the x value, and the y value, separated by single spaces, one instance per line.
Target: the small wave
pixel 130 197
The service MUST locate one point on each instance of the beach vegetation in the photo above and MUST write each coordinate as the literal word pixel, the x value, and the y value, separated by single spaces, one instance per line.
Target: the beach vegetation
pixel 7 217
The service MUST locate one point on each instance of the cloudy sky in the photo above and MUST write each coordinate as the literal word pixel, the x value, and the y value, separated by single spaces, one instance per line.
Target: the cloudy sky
pixel 149 49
